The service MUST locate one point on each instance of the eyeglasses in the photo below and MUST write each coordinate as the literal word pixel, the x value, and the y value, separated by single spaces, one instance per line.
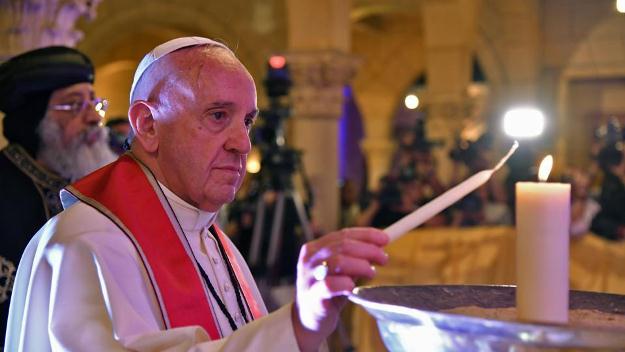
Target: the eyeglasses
pixel 99 105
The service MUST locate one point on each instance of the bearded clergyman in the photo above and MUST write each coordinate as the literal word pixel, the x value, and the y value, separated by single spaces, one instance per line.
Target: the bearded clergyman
pixel 53 122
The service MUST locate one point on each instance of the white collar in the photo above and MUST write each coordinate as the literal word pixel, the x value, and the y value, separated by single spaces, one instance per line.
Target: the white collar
pixel 190 217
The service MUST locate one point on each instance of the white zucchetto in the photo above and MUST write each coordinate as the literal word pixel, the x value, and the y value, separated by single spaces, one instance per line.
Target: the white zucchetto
pixel 166 48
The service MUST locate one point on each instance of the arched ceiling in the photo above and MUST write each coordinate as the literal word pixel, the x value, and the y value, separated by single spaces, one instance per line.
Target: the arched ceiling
pixel 364 9
pixel 139 25
pixel 601 52
pixel 388 35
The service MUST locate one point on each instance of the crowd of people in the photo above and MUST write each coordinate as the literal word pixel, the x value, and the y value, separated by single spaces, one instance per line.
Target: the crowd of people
pixel 413 181
pixel 597 191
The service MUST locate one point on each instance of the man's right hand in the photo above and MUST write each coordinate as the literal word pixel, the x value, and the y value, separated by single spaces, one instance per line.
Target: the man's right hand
pixel 349 255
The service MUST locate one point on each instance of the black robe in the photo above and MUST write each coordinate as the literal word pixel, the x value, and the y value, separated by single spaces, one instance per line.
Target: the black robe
pixel 612 214
pixel 29 196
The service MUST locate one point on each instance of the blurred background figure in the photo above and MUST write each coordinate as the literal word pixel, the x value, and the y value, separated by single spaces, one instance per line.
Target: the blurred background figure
pixel 119 130
pixel 426 171
pixel 488 204
pixel 53 125
pixel 583 207
pixel 414 159
pixel 394 200
pixel 350 204
pixel 610 221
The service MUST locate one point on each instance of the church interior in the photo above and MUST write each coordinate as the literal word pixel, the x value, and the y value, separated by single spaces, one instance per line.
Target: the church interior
pixel 381 107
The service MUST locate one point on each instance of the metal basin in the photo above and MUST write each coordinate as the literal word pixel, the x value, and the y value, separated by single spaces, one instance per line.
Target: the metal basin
pixel 410 319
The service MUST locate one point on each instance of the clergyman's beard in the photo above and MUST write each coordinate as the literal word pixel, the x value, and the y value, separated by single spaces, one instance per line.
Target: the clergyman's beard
pixel 77 159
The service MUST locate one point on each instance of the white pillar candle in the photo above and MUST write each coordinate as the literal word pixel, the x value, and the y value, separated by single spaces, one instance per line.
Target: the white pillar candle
pixel 542 249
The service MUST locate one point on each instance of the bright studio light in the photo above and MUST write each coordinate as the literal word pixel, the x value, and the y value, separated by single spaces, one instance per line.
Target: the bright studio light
pixel 523 122
pixel 411 101
pixel 620 6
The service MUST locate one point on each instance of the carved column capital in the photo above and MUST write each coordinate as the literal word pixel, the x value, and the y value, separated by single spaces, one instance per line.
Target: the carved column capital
pixel 31 24
pixel 318 81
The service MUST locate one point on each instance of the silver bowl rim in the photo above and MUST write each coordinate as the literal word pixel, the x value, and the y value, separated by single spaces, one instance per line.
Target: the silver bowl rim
pixel 537 334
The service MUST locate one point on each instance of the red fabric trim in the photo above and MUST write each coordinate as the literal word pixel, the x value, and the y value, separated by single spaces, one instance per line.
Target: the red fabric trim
pixel 247 292
pixel 124 190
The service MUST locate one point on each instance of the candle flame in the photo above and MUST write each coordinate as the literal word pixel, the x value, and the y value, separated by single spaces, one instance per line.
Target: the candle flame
pixel 545 168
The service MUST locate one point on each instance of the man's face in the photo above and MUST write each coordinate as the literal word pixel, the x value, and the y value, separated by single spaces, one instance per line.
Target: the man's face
pixel 83 123
pixel 203 121
pixel 73 142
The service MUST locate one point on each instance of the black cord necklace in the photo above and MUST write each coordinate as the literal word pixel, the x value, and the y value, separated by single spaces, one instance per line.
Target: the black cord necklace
pixel 221 304
pixel 233 278
pixel 211 288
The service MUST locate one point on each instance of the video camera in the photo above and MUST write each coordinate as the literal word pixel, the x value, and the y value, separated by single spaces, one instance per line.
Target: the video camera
pixel 278 162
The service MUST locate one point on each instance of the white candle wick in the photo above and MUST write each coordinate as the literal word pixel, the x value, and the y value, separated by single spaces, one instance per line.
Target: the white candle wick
pixel 442 202
pixel 506 157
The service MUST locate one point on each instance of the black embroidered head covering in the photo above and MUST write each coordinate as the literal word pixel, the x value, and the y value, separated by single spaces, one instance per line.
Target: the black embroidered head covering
pixel 26 83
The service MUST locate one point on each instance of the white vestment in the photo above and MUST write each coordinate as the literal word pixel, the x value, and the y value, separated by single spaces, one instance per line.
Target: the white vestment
pixel 81 286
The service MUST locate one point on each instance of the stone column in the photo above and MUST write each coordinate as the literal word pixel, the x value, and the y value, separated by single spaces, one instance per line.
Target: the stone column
pixel 521 51
pixel 320 65
pixel 31 24
pixel 450 31
pixel 378 146
pixel 317 99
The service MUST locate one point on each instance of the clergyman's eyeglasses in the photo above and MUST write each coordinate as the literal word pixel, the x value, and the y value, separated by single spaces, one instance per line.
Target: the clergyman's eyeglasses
pixel 99 105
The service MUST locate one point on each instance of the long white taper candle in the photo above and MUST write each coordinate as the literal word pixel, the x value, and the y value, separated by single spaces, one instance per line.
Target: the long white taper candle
pixel 443 201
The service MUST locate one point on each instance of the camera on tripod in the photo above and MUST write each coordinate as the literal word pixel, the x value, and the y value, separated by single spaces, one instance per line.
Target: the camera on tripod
pixel 278 80
pixel 278 162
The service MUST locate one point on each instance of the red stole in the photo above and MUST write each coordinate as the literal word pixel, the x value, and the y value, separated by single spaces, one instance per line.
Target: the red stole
pixel 127 193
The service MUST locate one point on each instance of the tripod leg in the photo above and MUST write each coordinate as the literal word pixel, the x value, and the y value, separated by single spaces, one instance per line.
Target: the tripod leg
pixel 301 215
pixel 259 221
pixel 276 232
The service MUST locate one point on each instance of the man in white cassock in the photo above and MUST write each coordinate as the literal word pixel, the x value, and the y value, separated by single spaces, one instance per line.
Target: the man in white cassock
pixel 135 261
